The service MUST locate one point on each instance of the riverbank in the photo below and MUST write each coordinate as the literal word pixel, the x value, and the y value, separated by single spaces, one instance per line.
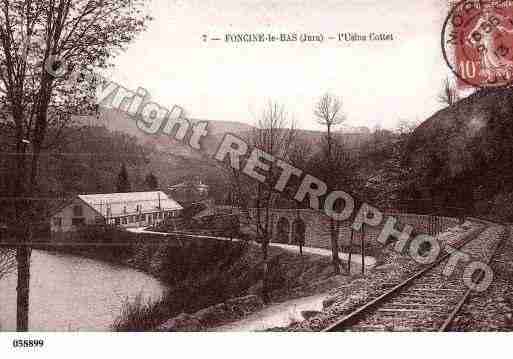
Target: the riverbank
pixel 217 274
pixel 277 315
pixel 301 281
pixel 234 292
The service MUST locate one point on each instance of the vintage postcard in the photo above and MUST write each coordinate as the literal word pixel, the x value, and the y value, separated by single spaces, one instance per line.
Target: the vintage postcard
pixel 255 166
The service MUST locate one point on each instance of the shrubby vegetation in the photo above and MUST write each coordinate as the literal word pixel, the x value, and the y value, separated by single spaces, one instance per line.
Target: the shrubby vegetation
pixel 203 274
pixel 501 207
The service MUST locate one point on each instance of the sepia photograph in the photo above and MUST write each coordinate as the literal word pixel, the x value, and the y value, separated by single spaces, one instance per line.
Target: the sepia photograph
pixel 181 168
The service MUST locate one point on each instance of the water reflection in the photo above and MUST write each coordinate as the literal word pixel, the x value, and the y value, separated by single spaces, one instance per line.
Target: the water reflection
pixel 69 293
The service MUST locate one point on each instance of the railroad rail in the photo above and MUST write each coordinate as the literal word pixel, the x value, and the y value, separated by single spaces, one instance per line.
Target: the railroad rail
pixel 423 301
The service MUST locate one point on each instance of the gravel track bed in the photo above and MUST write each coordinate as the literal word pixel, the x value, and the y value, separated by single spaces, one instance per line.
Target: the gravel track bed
pixel 492 310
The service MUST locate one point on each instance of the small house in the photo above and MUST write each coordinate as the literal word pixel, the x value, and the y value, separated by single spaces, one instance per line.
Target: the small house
pixel 189 191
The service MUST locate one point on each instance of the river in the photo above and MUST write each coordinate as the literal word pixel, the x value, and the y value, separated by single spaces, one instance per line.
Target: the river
pixel 69 293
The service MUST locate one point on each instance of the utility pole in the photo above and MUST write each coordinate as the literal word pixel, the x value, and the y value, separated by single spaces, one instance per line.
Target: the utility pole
pixel 160 210
pixel 363 248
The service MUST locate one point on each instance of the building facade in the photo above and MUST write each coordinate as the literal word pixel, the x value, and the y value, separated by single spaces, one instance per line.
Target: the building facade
pixel 133 209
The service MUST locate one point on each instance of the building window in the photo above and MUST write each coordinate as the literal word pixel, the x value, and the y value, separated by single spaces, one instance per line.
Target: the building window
pixel 125 220
pixel 57 222
pixel 78 221
pixel 77 211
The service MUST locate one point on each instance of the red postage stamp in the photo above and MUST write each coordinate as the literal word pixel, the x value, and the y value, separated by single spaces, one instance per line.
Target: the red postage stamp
pixel 477 42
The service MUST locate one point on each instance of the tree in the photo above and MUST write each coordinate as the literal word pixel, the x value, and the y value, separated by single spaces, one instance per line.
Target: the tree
pixel 449 94
pixel 151 182
pixel 37 40
pixel 328 112
pixel 100 151
pixel 123 184
pixel 340 174
pixel 392 178
pixel 274 133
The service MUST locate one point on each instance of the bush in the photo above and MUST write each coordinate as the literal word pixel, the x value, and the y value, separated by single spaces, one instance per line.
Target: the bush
pixel 90 241
pixel 138 315
pixel 199 276
pixel 502 207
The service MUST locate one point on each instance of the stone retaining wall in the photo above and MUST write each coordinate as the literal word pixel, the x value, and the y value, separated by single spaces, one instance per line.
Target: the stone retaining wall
pixel 317 225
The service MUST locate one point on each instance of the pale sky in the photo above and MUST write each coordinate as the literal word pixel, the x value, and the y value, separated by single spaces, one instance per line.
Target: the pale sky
pixel 379 82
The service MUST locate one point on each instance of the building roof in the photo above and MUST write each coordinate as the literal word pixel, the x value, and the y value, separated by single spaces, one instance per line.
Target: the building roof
pixel 180 185
pixel 188 185
pixel 127 203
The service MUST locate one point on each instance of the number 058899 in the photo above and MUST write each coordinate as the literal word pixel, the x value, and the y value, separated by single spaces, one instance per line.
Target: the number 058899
pixel 28 343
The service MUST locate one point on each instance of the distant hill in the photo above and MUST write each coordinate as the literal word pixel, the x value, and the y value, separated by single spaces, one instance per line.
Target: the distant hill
pixel 172 161
pixel 116 120
pixel 354 130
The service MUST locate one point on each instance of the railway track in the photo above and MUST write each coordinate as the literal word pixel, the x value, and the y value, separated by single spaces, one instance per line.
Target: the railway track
pixel 427 300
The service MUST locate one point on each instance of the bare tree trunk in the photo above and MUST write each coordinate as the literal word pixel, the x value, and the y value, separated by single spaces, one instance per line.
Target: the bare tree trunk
pixel 22 251
pixel 329 145
pixel 334 246
pixel 333 234
pixel 25 216
pixel 23 259
pixel 350 252
pixel 265 274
